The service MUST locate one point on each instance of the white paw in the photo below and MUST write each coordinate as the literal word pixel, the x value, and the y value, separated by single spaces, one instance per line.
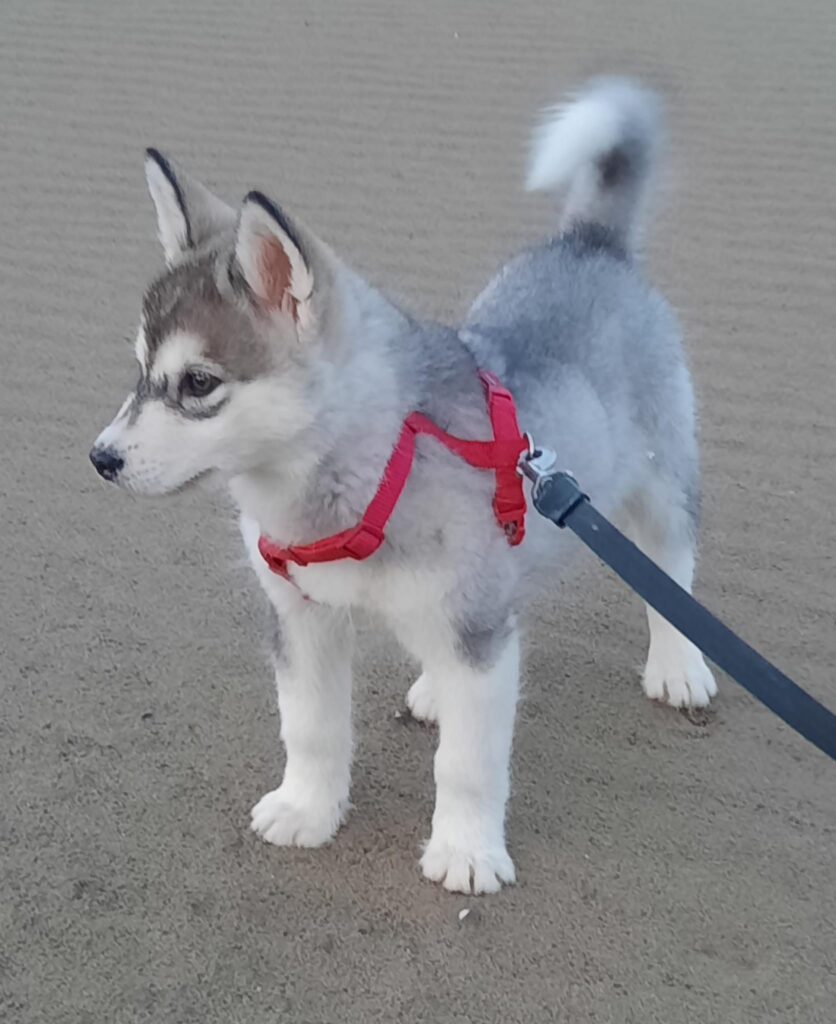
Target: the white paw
pixel 421 699
pixel 282 818
pixel 679 676
pixel 469 868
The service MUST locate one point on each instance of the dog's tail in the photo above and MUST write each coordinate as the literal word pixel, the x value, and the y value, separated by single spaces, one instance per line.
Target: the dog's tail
pixel 598 154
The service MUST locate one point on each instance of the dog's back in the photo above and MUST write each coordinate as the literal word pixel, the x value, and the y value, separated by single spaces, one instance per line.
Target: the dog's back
pixel 591 352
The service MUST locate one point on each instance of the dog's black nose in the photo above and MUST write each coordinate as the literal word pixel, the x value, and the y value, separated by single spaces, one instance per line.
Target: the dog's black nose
pixel 107 462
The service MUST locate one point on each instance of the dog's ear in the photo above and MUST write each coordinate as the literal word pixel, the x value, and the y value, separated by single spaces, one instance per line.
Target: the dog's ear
pixel 187 212
pixel 276 259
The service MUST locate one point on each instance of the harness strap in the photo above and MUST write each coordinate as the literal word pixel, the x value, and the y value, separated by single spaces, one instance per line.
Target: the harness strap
pixel 500 455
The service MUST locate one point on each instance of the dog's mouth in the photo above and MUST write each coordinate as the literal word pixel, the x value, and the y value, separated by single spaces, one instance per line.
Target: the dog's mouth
pixel 205 476
pixel 137 490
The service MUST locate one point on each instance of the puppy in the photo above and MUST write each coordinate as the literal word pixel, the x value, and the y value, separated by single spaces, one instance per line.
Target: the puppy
pixel 268 362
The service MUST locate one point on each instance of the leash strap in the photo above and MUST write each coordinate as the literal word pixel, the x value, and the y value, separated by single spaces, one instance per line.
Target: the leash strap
pixel 557 496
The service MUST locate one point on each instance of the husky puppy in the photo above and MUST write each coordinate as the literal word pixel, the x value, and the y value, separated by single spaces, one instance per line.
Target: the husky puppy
pixel 266 361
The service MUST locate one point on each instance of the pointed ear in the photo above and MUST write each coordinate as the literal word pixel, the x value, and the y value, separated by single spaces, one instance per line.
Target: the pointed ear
pixel 187 212
pixel 275 260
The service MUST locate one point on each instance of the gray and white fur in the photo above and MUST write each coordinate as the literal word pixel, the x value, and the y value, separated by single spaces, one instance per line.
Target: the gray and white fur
pixel 267 362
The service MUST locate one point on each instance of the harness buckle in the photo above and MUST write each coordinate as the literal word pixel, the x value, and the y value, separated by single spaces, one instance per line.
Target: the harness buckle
pixel 363 541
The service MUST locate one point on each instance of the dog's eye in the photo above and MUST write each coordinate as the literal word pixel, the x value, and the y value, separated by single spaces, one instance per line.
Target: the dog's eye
pixel 197 384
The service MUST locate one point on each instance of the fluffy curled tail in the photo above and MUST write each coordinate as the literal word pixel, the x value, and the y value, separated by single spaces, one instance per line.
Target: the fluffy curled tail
pixel 598 154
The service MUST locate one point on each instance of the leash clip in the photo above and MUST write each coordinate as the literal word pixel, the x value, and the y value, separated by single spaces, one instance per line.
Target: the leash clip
pixel 535 464
pixel 555 492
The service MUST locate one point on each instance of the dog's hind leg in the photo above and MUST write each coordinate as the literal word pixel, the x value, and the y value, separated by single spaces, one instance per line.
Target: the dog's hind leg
pixel 422 700
pixel 662 523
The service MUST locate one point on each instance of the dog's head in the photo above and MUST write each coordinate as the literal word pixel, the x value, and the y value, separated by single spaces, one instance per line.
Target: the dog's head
pixel 233 341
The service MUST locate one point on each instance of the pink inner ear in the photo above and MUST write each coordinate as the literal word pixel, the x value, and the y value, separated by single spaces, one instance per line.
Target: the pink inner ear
pixel 275 270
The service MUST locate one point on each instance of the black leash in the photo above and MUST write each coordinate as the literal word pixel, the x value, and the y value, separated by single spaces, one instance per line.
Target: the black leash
pixel 556 496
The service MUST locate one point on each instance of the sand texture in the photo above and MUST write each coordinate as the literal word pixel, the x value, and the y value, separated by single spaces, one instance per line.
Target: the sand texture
pixel 673 869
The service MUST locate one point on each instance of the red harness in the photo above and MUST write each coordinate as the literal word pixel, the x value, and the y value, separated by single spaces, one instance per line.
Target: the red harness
pixel 500 455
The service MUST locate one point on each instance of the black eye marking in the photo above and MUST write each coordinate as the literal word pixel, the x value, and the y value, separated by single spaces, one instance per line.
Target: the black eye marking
pixel 148 389
pixel 197 384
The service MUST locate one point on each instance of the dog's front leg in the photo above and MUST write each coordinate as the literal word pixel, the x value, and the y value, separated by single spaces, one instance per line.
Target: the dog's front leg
pixel 313 677
pixel 476 706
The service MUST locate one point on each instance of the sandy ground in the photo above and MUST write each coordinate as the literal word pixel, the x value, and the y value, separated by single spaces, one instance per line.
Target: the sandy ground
pixel 673 869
